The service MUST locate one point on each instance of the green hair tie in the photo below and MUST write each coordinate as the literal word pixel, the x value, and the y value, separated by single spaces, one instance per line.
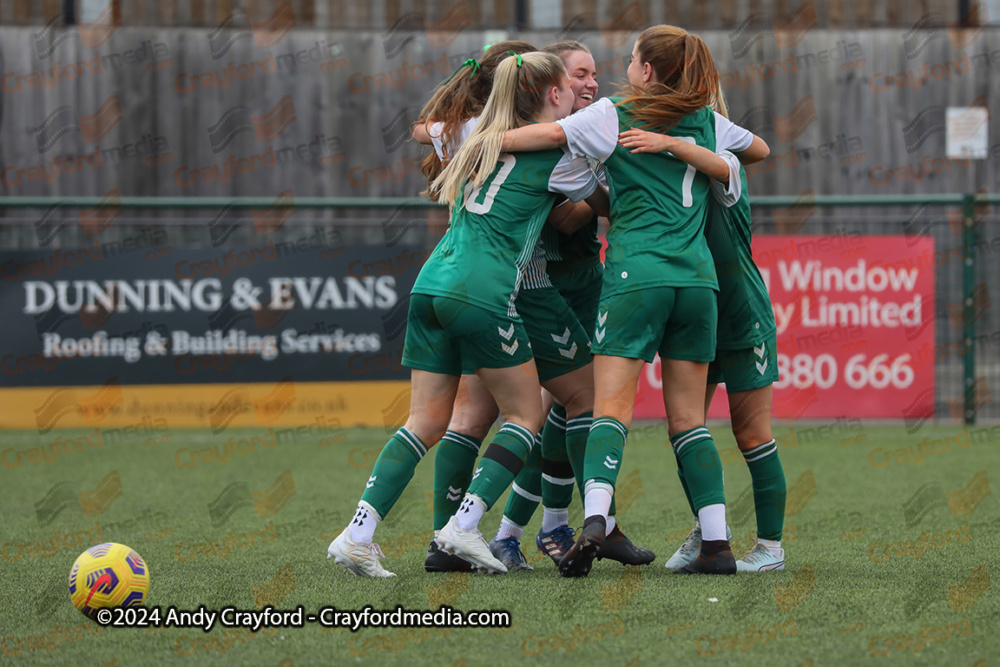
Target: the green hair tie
pixel 471 62
pixel 518 57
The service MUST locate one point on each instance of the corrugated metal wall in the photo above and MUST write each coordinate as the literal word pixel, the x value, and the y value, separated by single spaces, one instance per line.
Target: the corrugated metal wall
pixel 489 14
pixel 846 112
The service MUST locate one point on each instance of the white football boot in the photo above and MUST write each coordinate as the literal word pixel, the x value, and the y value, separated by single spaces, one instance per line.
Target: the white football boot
pixel 691 548
pixel 762 559
pixel 470 545
pixel 361 559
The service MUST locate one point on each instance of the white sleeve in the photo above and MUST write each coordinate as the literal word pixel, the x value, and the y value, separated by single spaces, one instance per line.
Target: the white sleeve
pixel 592 132
pixel 729 136
pixel 435 131
pixel 598 168
pixel 574 178
pixel 464 132
pixel 728 194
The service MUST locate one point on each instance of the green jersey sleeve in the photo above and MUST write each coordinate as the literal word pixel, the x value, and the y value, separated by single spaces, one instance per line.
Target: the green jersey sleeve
pixel 745 314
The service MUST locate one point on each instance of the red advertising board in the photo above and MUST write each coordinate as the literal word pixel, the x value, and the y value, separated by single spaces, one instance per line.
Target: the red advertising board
pixel 855 318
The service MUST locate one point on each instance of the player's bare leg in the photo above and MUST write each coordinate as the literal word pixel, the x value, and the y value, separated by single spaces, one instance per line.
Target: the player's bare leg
pixel 522 501
pixel 516 393
pixel 474 414
pixel 616 382
pixel 431 400
pixel 684 385
pixel 751 416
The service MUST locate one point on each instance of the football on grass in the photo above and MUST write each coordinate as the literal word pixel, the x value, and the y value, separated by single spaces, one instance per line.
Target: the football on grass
pixel 108 575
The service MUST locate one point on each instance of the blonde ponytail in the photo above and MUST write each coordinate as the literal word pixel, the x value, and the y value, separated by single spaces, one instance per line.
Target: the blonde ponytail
pixel 520 85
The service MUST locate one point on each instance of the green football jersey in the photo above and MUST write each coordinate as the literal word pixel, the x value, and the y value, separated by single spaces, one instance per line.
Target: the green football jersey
pixel 579 250
pixel 658 203
pixel 494 228
pixel 570 253
pixel 745 314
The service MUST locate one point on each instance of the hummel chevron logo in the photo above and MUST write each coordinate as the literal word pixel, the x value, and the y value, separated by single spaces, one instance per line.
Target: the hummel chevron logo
pixel 610 462
pixel 453 493
pixel 601 329
pixel 371 482
pixel 476 474
pixel 509 349
pixel 562 340
pixel 599 332
pixel 570 353
pixel 508 333
pixel 760 351
pixel 761 367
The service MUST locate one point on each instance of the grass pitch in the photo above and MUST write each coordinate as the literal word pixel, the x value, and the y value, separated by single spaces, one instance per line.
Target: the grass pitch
pixel 891 542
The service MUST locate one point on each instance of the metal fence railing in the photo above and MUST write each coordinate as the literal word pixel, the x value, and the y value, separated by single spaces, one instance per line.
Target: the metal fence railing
pixel 966 257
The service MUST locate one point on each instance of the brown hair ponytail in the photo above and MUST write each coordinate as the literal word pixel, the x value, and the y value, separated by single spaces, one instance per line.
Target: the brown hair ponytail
pixel 686 78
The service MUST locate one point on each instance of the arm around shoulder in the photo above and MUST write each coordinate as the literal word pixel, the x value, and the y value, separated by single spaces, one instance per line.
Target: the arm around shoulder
pixel 757 151
pixel 420 134
pixel 537 137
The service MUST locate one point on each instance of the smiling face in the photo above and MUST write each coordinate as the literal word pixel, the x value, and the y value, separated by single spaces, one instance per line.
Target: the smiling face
pixel 582 76
pixel 567 100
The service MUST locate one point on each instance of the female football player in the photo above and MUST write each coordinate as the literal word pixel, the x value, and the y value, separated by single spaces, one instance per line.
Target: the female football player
pixel 462 316
pixel 658 293
pixel 547 474
pixel 573 267
pixel 445 122
pixel 745 360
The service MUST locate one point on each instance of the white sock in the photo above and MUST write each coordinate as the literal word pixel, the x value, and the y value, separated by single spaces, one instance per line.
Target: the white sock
pixel 470 512
pixel 597 500
pixel 611 526
pixel 713 522
pixel 553 518
pixel 363 524
pixel 508 529
pixel 772 545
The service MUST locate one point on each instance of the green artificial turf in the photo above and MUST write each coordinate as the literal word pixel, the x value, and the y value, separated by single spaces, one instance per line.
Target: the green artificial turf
pixel 844 598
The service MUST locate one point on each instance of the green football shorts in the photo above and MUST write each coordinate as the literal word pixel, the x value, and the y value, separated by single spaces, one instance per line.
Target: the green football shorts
pixel 558 340
pixel 582 290
pixel 452 337
pixel 743 370
pixel 677 322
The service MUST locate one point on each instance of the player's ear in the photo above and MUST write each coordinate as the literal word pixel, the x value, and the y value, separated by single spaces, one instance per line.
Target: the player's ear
pixel 555 95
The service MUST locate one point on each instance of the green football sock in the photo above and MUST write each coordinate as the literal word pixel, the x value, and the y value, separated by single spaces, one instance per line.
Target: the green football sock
pixel 453 465
pixel 503 459
pixel 576 446
pixel 701 466
pixel 768 489
pixel 525 492
pixel 393 471
pixel 558 475
pixel 605 445
pixel 684 485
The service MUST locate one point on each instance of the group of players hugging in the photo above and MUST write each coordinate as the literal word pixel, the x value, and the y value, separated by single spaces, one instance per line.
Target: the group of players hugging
pixel 515 295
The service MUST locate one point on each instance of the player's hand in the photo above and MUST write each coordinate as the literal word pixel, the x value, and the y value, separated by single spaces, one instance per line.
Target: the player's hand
pixel 641 141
